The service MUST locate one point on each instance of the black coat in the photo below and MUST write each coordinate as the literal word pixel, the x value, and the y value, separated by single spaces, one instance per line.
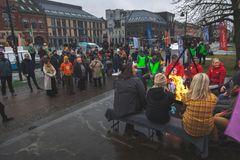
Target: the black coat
pixel 55 61
pixel 129 96
pixel 28 67
pixel 78 71
pixel 158 105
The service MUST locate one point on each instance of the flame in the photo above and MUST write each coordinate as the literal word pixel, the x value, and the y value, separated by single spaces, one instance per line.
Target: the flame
pixel 181 90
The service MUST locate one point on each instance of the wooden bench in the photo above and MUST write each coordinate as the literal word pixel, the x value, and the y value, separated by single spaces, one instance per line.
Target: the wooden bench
pixel 174 126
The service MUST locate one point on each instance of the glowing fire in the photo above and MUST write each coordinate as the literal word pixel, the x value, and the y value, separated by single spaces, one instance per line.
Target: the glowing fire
pixel 181 90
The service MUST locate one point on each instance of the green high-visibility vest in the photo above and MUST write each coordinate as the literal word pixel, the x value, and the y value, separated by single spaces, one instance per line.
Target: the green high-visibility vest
pixel 141 61
pixel 193 51
pixel 203 50
pixel 149 58
pixel 154 67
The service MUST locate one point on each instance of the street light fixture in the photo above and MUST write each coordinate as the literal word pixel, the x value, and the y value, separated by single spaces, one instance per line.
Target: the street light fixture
pixel 14 45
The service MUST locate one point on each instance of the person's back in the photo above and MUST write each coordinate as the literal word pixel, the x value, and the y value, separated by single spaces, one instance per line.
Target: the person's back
pixel 5 67
pixel 200 103
pixel 159 101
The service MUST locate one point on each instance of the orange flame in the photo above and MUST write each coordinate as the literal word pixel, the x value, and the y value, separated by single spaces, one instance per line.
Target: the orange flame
pixel 181 90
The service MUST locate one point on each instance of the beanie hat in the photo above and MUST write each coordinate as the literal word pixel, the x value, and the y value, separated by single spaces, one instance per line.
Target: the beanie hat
pixel 160 80
pixel 65 58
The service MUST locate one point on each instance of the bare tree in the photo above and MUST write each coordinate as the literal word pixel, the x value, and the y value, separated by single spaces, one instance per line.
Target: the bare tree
pixel 207 12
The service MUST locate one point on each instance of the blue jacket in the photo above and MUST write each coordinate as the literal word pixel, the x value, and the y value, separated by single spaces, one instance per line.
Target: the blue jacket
pixel 5 68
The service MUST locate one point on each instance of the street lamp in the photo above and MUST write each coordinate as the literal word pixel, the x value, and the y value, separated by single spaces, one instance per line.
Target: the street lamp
pixel 14 45
pixel 185 27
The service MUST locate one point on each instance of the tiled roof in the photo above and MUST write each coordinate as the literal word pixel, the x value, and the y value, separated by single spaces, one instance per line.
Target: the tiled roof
pixel 137 16
pixel 65 10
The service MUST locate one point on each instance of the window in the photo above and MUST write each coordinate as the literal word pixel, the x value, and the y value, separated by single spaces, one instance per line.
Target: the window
pixel 30 1
pixel 41 24
pixel 74 24
pixel 80 24
pixel 22 8
pixel 23 1
pixel 58 22
pixel 63 23
pixel 53 22
pixel 64 31
pixel 34 24
pixel 30 8
pixel 59 32
pixel 25 23
pixel 54 32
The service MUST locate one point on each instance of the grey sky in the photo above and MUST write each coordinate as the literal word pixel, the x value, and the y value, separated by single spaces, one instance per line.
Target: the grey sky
pixel 98 7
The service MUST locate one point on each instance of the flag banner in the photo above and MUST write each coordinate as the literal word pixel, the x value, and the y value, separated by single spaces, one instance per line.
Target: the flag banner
pixel 223 36
pixel 233 128
pixel 135 42
pixel 149 35
pixel 167 42
pixel 205 34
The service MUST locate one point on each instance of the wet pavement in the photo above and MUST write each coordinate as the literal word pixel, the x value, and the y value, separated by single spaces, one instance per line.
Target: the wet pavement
pixel 27 107
pixel 82 132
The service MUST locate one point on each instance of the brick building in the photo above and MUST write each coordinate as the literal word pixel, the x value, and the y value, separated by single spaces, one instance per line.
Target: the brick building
pixel 70 24
pixel 29 22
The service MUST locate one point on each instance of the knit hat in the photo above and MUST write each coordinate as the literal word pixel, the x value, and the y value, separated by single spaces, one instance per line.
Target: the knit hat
pixel 65 58
pixel 160 80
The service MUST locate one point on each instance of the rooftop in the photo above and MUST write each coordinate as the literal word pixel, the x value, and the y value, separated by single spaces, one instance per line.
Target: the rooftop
pixel 137 16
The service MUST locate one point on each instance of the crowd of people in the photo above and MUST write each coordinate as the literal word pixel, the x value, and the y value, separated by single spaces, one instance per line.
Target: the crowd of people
pixel 141 85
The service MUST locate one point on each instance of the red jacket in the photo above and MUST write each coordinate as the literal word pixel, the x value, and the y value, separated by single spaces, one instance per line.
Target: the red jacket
pixel 178 69
pixel 217 75
pixel 191 72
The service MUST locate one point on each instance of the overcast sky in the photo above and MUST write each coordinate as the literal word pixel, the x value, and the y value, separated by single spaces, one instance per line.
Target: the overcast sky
pixel 98 7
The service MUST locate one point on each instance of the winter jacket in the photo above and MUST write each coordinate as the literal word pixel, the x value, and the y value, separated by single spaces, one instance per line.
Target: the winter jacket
pixel 178 69
pixel 47 78
pixel 96 66
pixel 217 75
pixel 158 105
pixel 192 71
pixel 67 68
pixel 129 96
pixel 28 67
pixel 55 61
pixel 78 72
pixel 5 68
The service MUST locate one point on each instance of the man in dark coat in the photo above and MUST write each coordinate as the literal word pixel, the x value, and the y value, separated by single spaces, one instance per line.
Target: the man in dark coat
pixel 55 60
pixel 80 72
pixel 6 75
pixel 28 71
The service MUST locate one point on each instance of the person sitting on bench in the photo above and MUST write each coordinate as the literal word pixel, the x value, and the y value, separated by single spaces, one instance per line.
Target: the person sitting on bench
pixel 129 95
pixel 159 100
pixel 200 102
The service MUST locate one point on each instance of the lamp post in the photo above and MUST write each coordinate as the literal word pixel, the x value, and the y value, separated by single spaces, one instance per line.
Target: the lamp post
pixel 185 30
pixel 14 45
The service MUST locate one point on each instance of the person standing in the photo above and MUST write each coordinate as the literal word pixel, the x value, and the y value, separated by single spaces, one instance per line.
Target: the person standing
pixel 49 78
pixel 96 67
pixel 28 71
pixel 55 61
pixel 32 52
pixel 168 53
pixel 6 75
pixel 202 52
pixel 80 72
pixel 67 70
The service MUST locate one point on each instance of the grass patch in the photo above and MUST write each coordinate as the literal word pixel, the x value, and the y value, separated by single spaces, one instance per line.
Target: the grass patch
pixel 18 83
pixel 228 60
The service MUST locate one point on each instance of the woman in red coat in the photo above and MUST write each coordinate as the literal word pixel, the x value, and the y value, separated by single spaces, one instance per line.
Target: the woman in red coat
pixel 216 72
pixel 178 70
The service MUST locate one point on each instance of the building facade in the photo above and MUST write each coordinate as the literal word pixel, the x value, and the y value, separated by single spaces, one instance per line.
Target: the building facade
pixel 69 24
pixel 123 25
pixel 29 22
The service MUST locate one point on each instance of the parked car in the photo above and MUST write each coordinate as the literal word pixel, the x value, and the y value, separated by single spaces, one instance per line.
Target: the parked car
pixel 87 46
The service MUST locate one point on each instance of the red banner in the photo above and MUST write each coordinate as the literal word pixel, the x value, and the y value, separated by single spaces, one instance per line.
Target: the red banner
pixel 166 38
pixel 223 36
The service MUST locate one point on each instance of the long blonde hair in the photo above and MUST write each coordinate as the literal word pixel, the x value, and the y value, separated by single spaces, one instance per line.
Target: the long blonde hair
pixel 199 88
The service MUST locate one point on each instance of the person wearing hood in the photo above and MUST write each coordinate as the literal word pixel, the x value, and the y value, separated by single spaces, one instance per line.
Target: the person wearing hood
pixel 216 72
pixel 6 75
pixel 67 69
pixel 178 70
pixel 28 71
pixel 159 100
pixel 96 66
